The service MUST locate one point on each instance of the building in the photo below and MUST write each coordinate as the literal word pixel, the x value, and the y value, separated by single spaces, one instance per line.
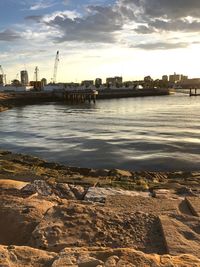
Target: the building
pixel 1 79
pixel 98 82
pixel 174 78
pixel 87 83
pixel 24 77
pixel 114 81
pixel 165 78
pixel 191 83
pixel 43 82
pixel 184 78
pixel 148 79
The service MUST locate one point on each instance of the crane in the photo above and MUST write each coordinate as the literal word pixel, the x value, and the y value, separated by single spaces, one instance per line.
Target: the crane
pixel 4 76
pixel 55 67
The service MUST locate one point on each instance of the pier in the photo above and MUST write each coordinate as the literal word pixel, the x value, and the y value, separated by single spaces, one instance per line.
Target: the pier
pixel 193 92
pixel 80 96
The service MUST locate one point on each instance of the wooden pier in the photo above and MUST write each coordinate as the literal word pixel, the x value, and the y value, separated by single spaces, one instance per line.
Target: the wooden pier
pixel 193 92
pixel 80 96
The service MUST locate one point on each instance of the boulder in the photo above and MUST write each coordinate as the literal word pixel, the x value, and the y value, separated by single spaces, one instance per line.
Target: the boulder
pixel 38 186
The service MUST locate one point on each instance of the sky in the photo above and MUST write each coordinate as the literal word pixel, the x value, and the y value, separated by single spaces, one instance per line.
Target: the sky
pixel 100 38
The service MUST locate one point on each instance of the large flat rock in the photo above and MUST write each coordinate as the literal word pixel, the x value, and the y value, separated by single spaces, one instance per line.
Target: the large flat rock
pixel 194 204
pixel 81 225
pixel 139 203
pixel 179 237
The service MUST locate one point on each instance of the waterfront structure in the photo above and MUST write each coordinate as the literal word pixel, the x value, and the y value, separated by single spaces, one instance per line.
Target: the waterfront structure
pixel 191 83
pixel 24 77
pixel 114 81
pixel 87 83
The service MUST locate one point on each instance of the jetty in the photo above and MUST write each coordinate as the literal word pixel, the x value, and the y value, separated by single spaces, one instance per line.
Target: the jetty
pixel 80 96
pixel 194 92
pixel 73 96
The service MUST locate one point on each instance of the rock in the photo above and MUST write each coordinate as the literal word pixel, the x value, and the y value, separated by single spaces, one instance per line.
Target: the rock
pixel 78 191
pixel 121 173
pixel 63 191
pixel 99 194
pixel 98 172
pixel 89 262
pixel 161 193
pixel 184 190
pixel 112 261
pixel 64 260
pixel 38 186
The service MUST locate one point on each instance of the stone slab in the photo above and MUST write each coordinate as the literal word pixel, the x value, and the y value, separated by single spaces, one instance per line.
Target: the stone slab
pixel 194 205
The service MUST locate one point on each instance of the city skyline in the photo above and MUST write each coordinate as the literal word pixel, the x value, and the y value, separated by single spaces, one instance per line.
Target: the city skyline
pixel 100 38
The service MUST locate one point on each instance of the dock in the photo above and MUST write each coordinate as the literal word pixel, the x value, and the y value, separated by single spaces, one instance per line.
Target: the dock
pixel 80 96
pixel 194 92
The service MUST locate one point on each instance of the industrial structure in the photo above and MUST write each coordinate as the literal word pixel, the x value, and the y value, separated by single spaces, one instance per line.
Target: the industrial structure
pixel 24 77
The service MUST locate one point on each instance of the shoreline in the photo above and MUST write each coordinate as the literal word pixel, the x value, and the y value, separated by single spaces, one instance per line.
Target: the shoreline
pixel 114 178
pixel 10 100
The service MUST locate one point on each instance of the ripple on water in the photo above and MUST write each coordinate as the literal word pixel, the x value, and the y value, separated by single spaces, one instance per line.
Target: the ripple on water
pixel 153 133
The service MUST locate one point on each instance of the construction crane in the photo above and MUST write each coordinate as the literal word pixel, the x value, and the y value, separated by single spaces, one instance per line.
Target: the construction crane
pixel 55 67
pixel 4 76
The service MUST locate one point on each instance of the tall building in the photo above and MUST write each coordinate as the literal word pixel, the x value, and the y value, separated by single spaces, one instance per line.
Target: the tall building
pixel 24 77
pixel 87 83
pixel 174 78
pixel 1 79
pixel 114 81
pixel 165 78
pixel 44 82
pixel 98 82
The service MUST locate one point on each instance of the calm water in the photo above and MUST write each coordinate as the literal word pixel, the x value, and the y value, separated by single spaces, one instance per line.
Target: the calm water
pixel 152 133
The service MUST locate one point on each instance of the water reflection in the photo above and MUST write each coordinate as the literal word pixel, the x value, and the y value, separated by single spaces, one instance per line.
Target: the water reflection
pixel 153 133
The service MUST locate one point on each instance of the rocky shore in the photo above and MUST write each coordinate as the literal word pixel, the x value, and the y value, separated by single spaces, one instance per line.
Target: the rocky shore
pixel 54 215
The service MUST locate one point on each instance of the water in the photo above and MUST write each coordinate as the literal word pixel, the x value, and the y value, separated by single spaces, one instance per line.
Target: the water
pixel 151 133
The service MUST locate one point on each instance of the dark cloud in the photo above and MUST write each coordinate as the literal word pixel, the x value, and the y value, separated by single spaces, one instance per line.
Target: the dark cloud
pixel 9 35
pixel 34 18
pixel 160 46
pixel 164 15
pixel 167 8
pixel 142 29
pixel 100 25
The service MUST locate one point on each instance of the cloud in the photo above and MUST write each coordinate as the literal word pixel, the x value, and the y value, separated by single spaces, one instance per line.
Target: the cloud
pixel 42 4
pixel 66 2
pixel 160 45
pixel 34 18
pixel 123 21
pixel 164 8
pixel 9 35
pixel 101 24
